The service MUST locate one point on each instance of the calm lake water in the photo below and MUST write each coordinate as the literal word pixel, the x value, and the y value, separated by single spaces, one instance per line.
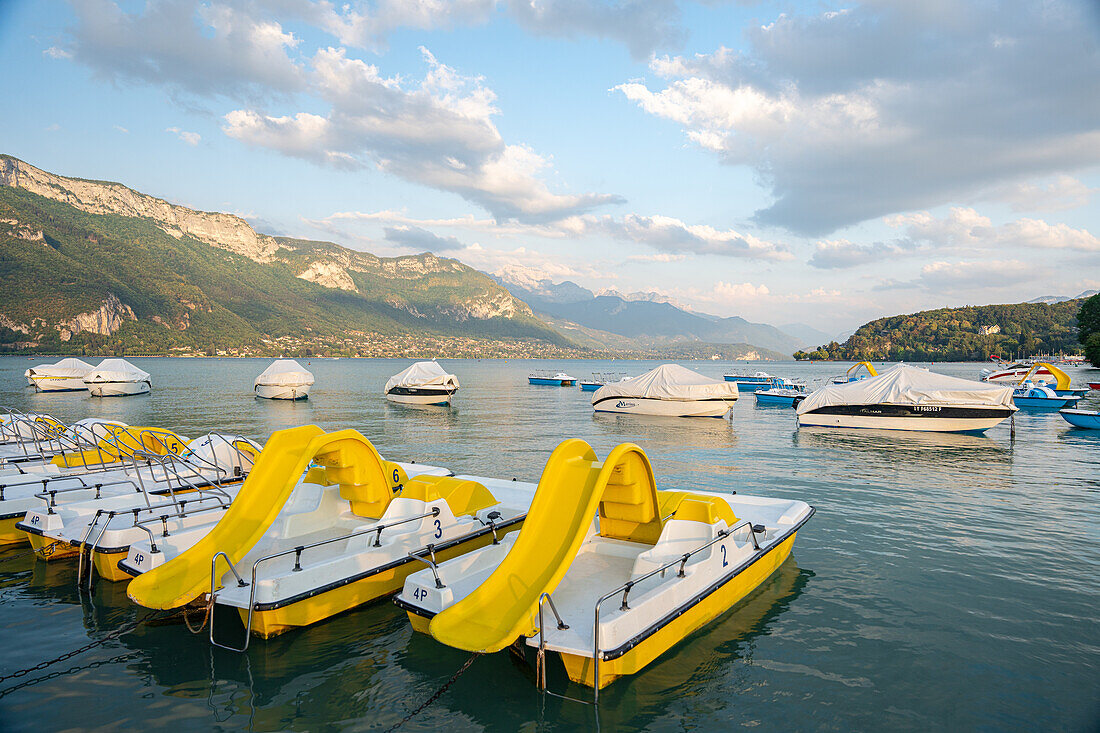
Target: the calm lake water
pixel 946 582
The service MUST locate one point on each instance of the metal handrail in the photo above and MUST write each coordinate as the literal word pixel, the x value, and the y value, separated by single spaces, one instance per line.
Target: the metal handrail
pixel 625 590
pixel 297 551
pixel 163 518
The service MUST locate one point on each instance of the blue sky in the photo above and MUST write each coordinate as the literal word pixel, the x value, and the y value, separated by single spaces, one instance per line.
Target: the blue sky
pixel 820 163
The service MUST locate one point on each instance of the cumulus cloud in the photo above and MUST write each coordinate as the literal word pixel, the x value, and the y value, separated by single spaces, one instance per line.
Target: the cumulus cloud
pixel 191 138
pixel 673 238
pixel 1064 192
pixel 643 26
pixel 439 133
pixel 965 228
pixel 202 49
pixel 969 276
pixel 892 105
pixel 418 238
pixel 962 230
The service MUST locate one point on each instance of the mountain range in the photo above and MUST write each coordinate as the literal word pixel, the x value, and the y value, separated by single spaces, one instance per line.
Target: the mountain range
pixel 1062 298
pixel 651 322
pixel 91 266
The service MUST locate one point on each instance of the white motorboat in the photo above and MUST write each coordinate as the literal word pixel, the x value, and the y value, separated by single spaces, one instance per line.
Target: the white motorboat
pixel 550 378
pixel 285 379
pixel 66 375
pixel 423 383
pixel 323 524
pixel 907 398
pixel 669 390
pixel 627 571
pixel 117 378
pixel 1016 372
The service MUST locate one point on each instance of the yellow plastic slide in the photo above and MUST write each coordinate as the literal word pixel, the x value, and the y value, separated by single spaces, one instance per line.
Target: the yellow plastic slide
pixel 349 460
pixel 573 484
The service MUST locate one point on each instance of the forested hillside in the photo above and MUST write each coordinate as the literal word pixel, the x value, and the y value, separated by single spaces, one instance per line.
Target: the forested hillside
pixel 972 333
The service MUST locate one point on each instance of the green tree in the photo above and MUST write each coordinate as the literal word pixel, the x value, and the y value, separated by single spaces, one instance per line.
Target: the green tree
pixel 1088 328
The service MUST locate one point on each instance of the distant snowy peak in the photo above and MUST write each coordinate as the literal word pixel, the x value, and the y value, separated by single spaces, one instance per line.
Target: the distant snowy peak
pixel 1062 298
pixel 650 297
pixel 525 281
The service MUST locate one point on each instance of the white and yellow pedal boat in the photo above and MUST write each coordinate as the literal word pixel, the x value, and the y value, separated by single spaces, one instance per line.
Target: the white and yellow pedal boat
pixel 103 460
pixel 323 524
pixel 119 507
pixel 619 571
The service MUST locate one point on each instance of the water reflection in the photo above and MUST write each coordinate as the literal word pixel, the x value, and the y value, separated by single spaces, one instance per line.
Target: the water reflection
pixel 909 446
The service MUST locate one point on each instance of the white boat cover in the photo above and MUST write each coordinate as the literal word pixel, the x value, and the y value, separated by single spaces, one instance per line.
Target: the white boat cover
pixel 669 382
pixel 902 384
pixel 116 370
pixel 284 373
pixel 63 368
pixel 422 374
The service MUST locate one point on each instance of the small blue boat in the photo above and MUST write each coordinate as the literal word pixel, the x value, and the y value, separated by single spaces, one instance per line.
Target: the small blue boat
pixel 599 380
pixel 550 379
pixel 1037 397
pixel 590 385
pixel 780 396
pixel 751 383
pixel 1082 418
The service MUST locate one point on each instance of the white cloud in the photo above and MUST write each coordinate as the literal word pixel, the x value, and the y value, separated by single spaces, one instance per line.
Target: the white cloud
pixel 421 239
pixel 57 53
pixel 979 275
pixel 892 105
pixel 122 129
pixel 203 49
pixel 191 138
pixel 673 238
pixel 437 133
pixel 1064 192
pixel 965 228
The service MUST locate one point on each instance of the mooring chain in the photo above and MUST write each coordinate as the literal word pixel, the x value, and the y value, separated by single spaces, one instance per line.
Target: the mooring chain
pixel 68 655
pixel 47 550
pixel 61 673
pixel 206 617
pixel 434 697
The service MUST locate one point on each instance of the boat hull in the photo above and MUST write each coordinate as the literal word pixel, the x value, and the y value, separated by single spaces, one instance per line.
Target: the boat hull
pixel 544 382
pixel 664 408
pixel 1045 403
pixel 268 622
pixel 117 389
pixel 581 669
pixel 777 400
pixel 9 533
pixel 905 417
pixel 1082 418
pixel 750 386
pixel 58 384
pixel 413 396
pixel 590 386
pixel 283 391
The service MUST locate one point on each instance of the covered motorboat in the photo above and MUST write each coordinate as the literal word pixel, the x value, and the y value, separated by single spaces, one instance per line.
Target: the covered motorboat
pixel 117 378
pixel 66 375
pixel 423 383
pixel 908 398
pixel 669 390
pixel 622 576
pixel 285 379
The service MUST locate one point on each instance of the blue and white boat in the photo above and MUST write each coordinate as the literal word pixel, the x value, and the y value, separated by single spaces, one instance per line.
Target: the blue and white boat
pixel 1082 418
pixel 551 379
pixel 751 383
pixel 780 396
pixel 1038 397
